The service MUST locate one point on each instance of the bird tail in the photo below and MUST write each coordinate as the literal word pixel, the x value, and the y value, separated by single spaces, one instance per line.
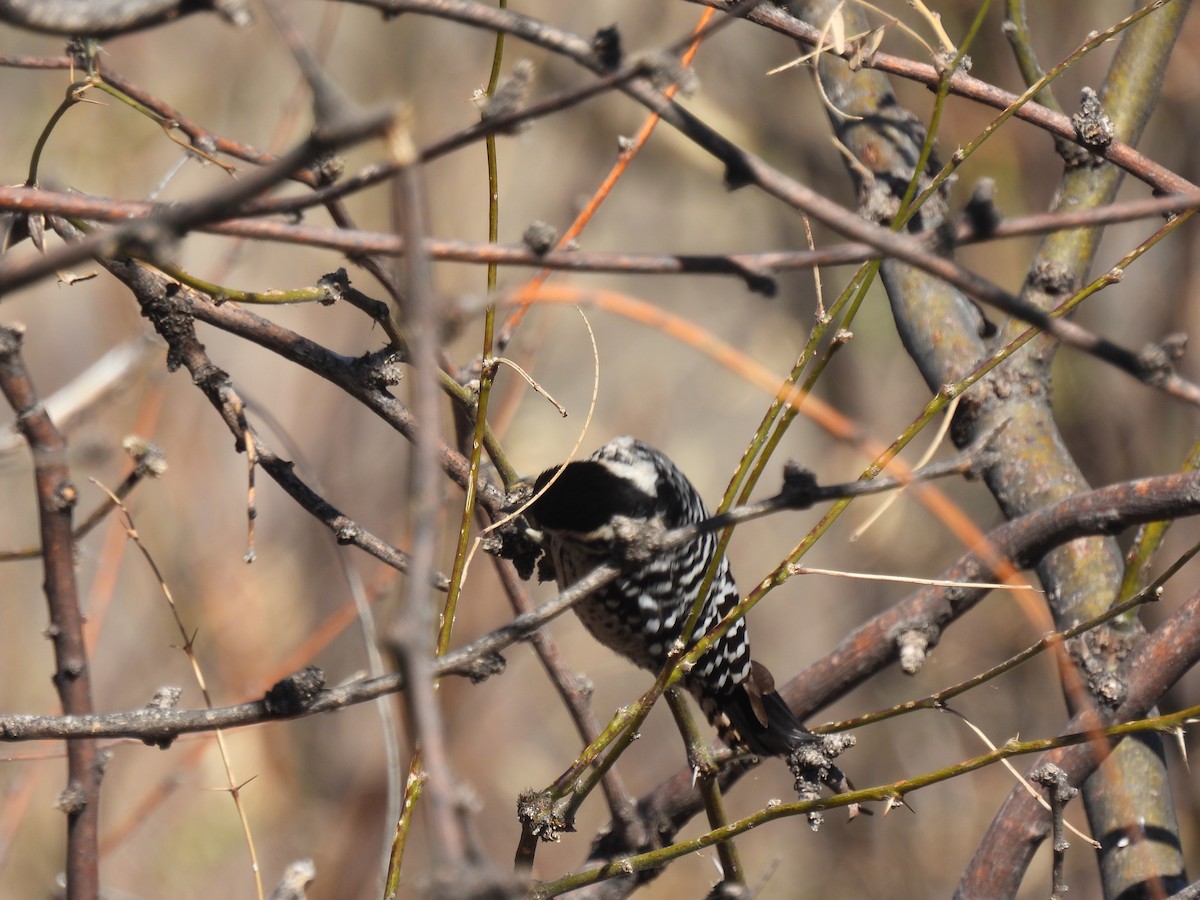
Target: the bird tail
pixel 753 716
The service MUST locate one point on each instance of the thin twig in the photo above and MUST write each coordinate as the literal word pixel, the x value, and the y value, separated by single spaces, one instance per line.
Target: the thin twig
pixel 410 637
pixel 189 649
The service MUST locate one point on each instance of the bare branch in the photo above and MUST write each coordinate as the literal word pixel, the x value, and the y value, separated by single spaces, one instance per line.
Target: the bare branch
pixel 111 17
pixel 56 497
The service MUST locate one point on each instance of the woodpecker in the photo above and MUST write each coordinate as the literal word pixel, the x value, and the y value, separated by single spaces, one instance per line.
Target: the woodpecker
pixel 585 508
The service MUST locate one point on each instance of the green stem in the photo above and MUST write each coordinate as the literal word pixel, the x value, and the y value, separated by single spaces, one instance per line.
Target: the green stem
pixel 487 375
pixel 1016 29
pixel 74 95
pixel 705 775
pixel 412 793
pixel 939 104
pixel 884 793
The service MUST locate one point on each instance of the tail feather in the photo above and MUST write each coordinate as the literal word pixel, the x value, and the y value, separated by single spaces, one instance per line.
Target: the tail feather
pixel 762 723
pixel 753 716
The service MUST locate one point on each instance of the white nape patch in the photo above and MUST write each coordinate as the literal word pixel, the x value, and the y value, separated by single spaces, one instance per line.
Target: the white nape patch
pixel 642 475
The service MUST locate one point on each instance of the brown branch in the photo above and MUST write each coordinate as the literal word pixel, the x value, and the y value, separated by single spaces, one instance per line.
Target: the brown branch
pixel 101 18
pixel 358 377
pixel 205 140
pixel 580 50
pixel 35 62
pixel 152 235
pixel 1159 661
pixel 56 497
pixel 756 268
pixel 159 727
pixel 161 303
pixel 743 168
pixel 543 34
pixel 1120 154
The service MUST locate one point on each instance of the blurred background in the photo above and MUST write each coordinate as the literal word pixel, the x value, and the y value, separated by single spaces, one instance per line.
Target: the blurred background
pixel 317 787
